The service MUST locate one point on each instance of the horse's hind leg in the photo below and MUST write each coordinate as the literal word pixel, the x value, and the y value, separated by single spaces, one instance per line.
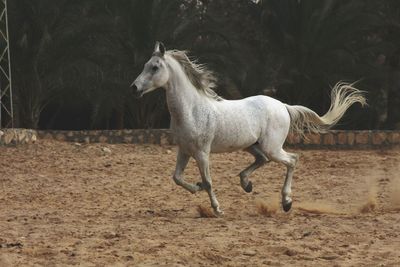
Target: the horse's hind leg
pixel 277 154
pixel 181 162
pixel 290 162
pixel 260 160
pixel 202 159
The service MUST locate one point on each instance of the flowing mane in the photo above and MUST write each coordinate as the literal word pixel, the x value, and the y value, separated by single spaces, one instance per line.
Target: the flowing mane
pixel 202 78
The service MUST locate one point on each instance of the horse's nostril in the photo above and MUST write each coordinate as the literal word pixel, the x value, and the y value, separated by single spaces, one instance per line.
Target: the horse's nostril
pixel 134 87
pixel 135 91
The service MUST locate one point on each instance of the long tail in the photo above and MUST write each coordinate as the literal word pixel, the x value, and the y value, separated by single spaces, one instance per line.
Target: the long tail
pixel 343 95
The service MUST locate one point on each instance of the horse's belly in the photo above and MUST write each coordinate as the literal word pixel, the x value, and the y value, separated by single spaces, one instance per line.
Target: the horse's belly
pixel 222 148
pixel 236 130
pixel 233 141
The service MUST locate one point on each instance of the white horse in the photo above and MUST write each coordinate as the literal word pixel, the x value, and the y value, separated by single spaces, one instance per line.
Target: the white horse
pixel 204 123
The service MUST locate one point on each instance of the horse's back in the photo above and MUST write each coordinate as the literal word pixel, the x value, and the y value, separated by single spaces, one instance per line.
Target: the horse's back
pixel 255 107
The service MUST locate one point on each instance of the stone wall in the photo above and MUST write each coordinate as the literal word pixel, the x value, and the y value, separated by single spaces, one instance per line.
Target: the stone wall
pixel 137 136
pixel 17 136
pixel 347 139
pixel 332 139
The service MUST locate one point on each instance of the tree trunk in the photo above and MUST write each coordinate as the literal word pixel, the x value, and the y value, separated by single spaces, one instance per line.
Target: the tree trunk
pixel 393 83
pixel 394 100
pixel 119 118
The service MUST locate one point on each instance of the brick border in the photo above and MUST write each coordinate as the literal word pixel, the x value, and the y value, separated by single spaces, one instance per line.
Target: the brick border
pixel 347 139
pixel 333 139
pixel 137 136
pixel 17 136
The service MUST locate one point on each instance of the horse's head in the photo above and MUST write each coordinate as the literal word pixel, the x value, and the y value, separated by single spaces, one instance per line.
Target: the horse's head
pixel 155 73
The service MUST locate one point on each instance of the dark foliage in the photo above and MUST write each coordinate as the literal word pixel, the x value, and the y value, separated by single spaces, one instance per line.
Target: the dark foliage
pixel 73 61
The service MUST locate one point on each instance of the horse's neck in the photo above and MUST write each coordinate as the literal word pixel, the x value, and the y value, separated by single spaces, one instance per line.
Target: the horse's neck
pixel 180 100
pixel 181 95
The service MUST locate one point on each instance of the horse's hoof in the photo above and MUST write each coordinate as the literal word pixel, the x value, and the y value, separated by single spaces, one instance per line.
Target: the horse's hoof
pixel 218 213
pixel 249 187
pixel 287 206
pixel 200 185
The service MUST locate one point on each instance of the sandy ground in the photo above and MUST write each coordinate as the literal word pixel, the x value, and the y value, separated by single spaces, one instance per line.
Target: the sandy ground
pixel 62 204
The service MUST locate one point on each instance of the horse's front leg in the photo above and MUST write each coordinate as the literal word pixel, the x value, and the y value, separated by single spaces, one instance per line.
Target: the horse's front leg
pixel 181 163
pixel 202 159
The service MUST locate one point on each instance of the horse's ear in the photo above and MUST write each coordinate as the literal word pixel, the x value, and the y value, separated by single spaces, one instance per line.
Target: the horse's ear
pixel 159 49
pixel 162 48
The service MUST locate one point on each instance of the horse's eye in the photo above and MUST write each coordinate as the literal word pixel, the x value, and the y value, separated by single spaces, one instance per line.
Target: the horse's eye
pixel 154 68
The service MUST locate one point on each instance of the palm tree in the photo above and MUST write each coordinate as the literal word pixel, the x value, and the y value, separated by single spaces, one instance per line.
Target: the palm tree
pixel 391 30
pixel 133 26
pixel 47 37
pixel 79 57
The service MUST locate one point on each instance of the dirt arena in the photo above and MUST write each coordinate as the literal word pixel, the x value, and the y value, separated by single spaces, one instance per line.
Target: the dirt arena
pixel 67 204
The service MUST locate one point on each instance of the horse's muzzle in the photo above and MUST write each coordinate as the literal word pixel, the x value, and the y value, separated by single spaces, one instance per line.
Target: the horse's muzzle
pixel 135 91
